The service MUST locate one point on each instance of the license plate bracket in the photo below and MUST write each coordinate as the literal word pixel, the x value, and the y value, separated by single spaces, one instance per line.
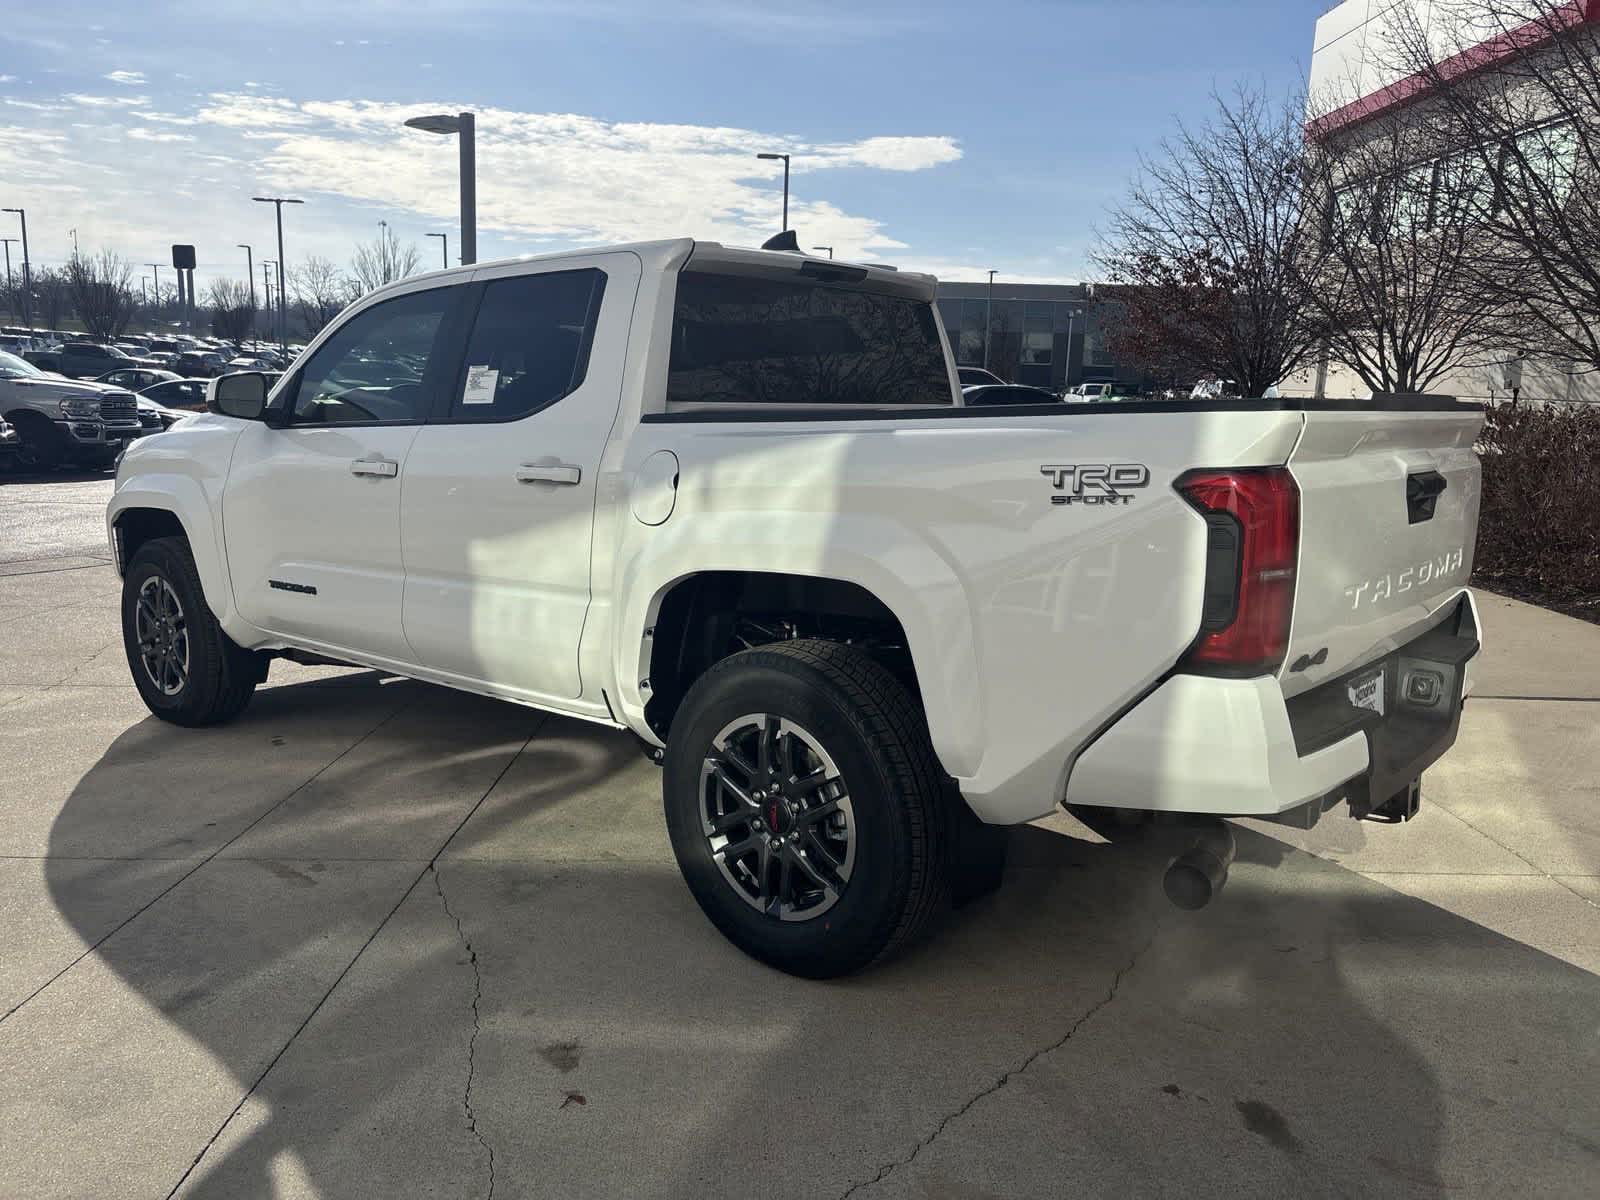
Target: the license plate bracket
pixel 1367 691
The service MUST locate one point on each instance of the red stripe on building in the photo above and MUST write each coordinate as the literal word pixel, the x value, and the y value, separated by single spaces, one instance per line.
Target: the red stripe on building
pixel 1468 62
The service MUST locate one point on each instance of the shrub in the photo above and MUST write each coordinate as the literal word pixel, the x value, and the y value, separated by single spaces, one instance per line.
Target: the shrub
pixel 1540 521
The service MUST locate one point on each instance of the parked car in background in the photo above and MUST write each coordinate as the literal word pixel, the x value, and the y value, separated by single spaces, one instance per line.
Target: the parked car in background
pixel 85 360
pixel 183 395
pixel 136 379
pixel 1215 389
pixel 155 417
pixel 1096 393
pixel 972 376
pixel 65 420
pixel 985 394
pixel 200 364
pixel 252 362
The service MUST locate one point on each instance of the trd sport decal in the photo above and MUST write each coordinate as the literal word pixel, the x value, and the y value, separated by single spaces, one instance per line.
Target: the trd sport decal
pixel 1095 483
pixel 304 589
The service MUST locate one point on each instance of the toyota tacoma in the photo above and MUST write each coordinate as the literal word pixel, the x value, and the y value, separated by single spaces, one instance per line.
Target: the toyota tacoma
pixel 731 501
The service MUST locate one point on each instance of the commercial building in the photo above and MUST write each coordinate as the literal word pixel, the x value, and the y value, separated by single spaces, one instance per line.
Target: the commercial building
pixel 1360 75
pixel 1047 335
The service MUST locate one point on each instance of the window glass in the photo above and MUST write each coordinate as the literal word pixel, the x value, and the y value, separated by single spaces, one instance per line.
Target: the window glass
pixel 745 340
pixel 1550 155
pixel 373 367
pixel 529 344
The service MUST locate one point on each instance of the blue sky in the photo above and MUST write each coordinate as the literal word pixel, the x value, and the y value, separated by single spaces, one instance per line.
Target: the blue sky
pixel 950 137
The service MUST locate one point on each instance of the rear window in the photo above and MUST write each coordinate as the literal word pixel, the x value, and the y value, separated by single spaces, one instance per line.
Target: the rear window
pixel 745 340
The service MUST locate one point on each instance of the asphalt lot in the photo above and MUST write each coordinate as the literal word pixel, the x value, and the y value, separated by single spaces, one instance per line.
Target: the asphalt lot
pixel 379 939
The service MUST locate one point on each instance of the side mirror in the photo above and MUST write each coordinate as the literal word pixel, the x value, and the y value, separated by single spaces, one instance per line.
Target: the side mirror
pixel 243 395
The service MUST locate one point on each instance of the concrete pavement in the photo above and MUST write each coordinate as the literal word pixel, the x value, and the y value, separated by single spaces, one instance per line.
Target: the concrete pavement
pixel 379 939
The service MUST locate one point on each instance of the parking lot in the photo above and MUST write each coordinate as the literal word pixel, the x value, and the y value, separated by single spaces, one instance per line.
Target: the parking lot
pixel 380 939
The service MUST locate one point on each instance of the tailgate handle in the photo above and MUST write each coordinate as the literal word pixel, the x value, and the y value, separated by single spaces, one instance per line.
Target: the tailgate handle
pixel 1422 495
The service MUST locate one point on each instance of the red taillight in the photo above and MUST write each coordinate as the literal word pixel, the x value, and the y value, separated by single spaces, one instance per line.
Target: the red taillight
pixel 1251 633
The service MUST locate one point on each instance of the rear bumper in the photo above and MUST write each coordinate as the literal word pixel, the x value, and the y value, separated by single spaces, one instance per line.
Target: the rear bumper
pixel 1235 747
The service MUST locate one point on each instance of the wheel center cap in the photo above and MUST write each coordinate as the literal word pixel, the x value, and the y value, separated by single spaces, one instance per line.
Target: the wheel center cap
pixel 780 817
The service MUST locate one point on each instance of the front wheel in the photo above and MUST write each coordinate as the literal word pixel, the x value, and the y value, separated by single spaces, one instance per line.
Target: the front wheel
pixel 806 807
pixel 187 670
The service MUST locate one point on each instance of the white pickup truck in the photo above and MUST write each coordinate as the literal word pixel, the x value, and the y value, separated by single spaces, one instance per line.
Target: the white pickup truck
pixel 730 500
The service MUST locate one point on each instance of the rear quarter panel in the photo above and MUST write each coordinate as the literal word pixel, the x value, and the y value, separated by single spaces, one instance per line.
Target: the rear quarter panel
pixel 1031 623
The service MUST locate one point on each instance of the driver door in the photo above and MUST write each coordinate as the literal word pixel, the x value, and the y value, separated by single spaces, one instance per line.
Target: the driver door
pixel 311 510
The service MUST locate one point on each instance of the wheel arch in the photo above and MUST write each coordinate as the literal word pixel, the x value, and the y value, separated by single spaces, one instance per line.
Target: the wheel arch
pixel 177 507
pixel 691 619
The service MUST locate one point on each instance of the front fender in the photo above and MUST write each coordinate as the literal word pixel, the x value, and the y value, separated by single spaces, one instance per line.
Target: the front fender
pixel 908 575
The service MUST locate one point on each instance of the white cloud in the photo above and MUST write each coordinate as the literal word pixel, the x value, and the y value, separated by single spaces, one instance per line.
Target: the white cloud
pixel 8 78
pixel 130 78
pixel 546 180
pixel 568 176
pixel 151 135
pixel 84 101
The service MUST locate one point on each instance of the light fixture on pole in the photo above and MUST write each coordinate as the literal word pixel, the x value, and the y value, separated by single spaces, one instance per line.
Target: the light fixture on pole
pixel 774 158
pixel 278 202
pixel 74 234
pixel 27 268
pixel 464 124
pixel 444 247
pixel 829 249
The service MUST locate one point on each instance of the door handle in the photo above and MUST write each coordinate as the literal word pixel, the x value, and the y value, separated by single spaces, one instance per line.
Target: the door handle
pixel 560 473
pixel 380 467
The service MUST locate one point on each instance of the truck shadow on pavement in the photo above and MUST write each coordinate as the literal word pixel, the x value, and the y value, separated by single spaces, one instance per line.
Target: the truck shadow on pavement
pixel 545 1011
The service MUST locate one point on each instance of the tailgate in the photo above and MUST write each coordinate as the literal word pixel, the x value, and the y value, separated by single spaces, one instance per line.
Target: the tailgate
pixel 1388 520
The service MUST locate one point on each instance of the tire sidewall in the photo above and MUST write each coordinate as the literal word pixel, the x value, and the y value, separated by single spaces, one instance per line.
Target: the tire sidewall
pixel 157 561
pixel 871 902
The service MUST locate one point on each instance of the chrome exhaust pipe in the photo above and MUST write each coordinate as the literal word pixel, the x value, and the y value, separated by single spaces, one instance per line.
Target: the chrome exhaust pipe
pixel 1196 876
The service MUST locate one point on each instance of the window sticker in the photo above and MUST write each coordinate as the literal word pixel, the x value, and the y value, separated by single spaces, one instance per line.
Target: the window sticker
pixel 480 385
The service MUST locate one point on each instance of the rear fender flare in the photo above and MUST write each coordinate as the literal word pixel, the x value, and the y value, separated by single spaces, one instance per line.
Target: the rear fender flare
pixel 908 576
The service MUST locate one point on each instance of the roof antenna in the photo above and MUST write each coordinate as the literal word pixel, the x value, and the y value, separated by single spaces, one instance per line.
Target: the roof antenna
pixel 787 240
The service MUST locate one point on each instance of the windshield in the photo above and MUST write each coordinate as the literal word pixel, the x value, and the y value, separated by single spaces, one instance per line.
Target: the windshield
pixel 12 367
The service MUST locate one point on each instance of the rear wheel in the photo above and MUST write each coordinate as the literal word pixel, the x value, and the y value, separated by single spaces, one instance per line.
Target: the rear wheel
pixel 806 807
pixel 187 670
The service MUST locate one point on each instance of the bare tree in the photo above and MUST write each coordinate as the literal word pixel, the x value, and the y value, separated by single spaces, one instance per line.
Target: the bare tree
pixel 233 309
pixel 101 294
pixel 1212 239
pixel 1399 288
pixel 321 292
pixel 382 260
pixel 1529 123
pixel 50 296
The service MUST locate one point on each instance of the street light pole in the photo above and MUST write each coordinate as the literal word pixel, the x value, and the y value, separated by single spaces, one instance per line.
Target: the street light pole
pixel 444 247
pixel 74 234
pixel 156 267
pixel 27 268
pixel 785 157
pixel 988 321
pixel 277 203
pixel 249 270
pixel 464 125
pixel 829 249
pixel 10 297
pixel 266 286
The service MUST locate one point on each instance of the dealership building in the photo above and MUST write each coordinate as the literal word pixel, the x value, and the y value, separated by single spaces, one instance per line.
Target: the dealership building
pixel 1353 58
pixel 1047 335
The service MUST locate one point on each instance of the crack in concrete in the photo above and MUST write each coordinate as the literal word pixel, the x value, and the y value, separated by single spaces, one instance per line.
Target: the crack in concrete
pixel 477 1025
pixel 1520 857
pixel 890 1168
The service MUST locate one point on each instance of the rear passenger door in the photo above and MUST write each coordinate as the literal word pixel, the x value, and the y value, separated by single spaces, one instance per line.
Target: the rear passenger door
pixel 497 513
